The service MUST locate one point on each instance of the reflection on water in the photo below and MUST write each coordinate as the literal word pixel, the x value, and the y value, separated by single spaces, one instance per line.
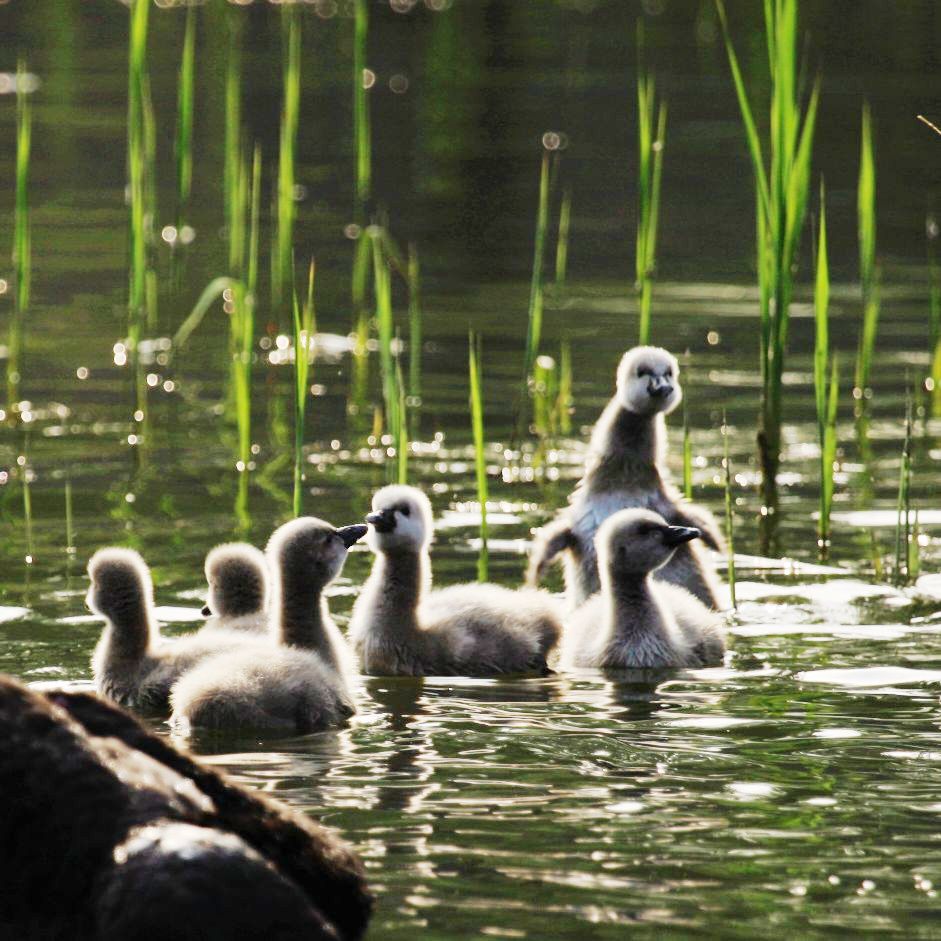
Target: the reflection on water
pixel 797 789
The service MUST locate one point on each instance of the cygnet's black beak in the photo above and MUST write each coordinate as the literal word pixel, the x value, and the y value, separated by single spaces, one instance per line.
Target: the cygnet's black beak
pixel 206 611
pixel 351 534
pixel 658 388
pixel 383 522
pixel 677 535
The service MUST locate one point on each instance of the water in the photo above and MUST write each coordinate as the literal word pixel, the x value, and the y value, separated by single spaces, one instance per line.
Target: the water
pixel 795 790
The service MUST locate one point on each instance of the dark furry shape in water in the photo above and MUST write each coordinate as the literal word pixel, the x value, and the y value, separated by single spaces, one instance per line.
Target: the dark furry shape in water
pixel 110 833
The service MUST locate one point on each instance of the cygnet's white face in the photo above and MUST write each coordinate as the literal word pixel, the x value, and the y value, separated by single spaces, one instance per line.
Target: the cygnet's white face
pixel 401 520
pixel 648 381
pixel 638 541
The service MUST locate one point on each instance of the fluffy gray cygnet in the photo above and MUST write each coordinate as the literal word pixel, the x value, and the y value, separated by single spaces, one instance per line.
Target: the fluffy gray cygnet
pixel 625 468
pixel 237 576
pixel 300 682
pixel 132 664
pixel 637 621
pixel 400 627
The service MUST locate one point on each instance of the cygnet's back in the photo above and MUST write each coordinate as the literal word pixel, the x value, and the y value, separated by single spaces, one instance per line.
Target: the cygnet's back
pixel 237 577
pixel 132 664
pixel 286 689
pixel 635 621
pixel 399 628
pixel 298 684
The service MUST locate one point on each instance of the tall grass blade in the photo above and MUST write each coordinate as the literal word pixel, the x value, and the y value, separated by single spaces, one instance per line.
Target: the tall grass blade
pixel 305 329
pixel 69 519
pixel 903 525
pixel 233 133
pixel 651 139
pixel 137 170
pixel 287 151
pixel 566 397
pixel 414 326
pixel 383 289
pixel 23 465
pixel 729 505
pixel 933 384
pixel 782 187
pixel 401 432
pixel 687 450
pixel 480 457
pixel 183 144
pixel 868 272
pixel 22 249
pixel 362 145
pixel 562 238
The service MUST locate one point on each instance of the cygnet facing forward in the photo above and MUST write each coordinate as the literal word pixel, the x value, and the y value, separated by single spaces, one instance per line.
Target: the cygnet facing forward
pixel 400 627
pixel 636 621
pixel 132 664
pixel 625 468
pixel 300 683
pixel 237 576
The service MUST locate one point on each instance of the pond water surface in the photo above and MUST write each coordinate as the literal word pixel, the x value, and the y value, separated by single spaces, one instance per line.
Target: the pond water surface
pixel 797 789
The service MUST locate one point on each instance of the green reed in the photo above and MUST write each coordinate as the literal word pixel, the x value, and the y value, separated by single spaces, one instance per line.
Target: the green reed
pixel 183 144
pixel 362 144
pixel 305 327
pixel 868 270
pixel 903 523
pixel 934 310
pixel 729 505
pixel 782 189
pixel 400 432
pixel 414 325
pixel 136 169
pixel 534 326
pixel 22 248
pixel 562 238
pixel 383 290
pixel 566 396
pixel 287 150
pixel 826 383
pixel 687 450
pixel 69 519
pixel 233 134
pixel 475 355
pixel 651 140
pixel 545 391
pixel 22 463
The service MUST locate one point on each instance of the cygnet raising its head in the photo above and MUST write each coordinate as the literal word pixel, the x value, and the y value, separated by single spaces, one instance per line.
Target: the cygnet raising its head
pixel 636 542
pixel 401 520
pixel 648 381
pixel 310 550
pixel 121 589
pixel 237 575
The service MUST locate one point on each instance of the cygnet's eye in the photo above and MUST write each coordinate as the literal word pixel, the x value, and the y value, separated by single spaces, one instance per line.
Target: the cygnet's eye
pixel 642 371
pixel 404 509
pixel 668 374
pixel 645 529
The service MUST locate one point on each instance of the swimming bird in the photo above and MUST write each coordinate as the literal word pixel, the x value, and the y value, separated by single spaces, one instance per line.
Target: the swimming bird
pixel 637 621
pixel 110 833
pixel 625 468
pixel 300 683
pixel 400 627
pixel 132 664
pixel 237 576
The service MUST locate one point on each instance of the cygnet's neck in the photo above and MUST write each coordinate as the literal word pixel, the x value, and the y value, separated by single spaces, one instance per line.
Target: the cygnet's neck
pixel 631 606
pixel 302 615
pixel 626 447
pixel 130 631
pixel 399 581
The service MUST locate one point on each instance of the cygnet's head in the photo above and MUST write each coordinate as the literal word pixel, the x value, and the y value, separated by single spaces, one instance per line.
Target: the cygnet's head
pixel 635 542
pixel 648 381
pixel 401 520
pixel 310 550
pixel 237 575
pixel 121 587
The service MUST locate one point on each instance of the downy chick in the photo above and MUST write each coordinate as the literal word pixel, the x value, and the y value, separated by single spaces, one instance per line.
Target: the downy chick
pixel 132 664
pixel 636 621
pixel 301 683
pixel 625 468
pixel 237 576
pixel 400 627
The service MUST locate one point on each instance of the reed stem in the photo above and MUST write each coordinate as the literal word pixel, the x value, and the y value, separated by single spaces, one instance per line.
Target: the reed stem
pixel 475 355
